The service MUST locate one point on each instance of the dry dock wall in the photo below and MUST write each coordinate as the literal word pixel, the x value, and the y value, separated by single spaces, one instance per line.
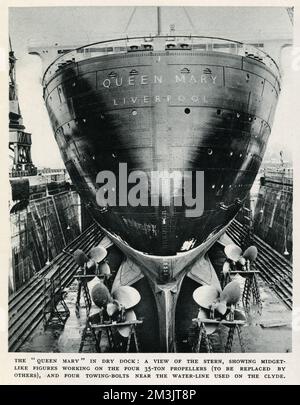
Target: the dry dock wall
pixel 39 232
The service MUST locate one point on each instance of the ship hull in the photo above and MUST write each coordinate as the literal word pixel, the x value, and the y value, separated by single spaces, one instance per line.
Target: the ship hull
pixel 168 116
pixel 205 112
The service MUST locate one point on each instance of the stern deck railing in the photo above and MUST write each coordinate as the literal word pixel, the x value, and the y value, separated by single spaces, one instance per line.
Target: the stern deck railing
pixel 156 44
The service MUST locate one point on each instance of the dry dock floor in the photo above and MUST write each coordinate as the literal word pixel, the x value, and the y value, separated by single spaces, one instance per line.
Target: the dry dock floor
pixel 269 333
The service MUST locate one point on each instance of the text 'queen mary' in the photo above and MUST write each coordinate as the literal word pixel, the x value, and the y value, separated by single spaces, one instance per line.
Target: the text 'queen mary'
pixel 141 80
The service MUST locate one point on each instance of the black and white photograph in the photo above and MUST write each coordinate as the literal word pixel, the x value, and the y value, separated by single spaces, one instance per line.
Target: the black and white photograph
pixel 150 179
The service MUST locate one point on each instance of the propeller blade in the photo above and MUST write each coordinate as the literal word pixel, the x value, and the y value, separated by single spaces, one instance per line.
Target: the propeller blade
pixel 202 314
pixel 125 330
pixel 91 283
pixel 98 253
pixel 104 269
pixel 101 295
pixel 242 261
pixel 112 308
pixel 205 296
pixel 233 252
pixel 80 257
pixel 239 315
pixel 226 267
pixel 90 267
pixel 231 294
pixel 127 296
pixel 221 307
pixel 251 253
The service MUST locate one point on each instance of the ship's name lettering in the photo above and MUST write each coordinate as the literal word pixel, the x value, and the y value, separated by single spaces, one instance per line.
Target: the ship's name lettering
pixel 120 81
pixel 144 99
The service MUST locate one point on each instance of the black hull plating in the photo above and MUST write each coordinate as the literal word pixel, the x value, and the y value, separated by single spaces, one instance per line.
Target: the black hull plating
pixel 205 111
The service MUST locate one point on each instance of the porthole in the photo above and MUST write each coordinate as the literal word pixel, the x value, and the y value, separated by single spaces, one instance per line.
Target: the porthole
pixel 231 154
pixel 210 151
pixel 213 186
pixel 238 115
pixel 134 112
pixel 187 110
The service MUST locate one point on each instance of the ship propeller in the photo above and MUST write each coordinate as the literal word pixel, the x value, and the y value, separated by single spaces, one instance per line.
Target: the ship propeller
pixel 104 269
pixel 229 296
pixel 112 308
pixel 118 305
pixel 125 330
pixel 242 261
pixel 101 295
pixel 80 257
pixel 209 297
pixel 210 328
pixel 225 278
pixel 98 253
pixel 125 298
pixel 226 268
pixel 90 267
pixel 251 253
pixel 206 296
pixel 233 252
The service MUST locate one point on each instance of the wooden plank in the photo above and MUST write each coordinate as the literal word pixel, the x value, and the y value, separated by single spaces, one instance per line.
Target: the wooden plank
pixel 273 323
pixel 100 326
pixel 216 322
